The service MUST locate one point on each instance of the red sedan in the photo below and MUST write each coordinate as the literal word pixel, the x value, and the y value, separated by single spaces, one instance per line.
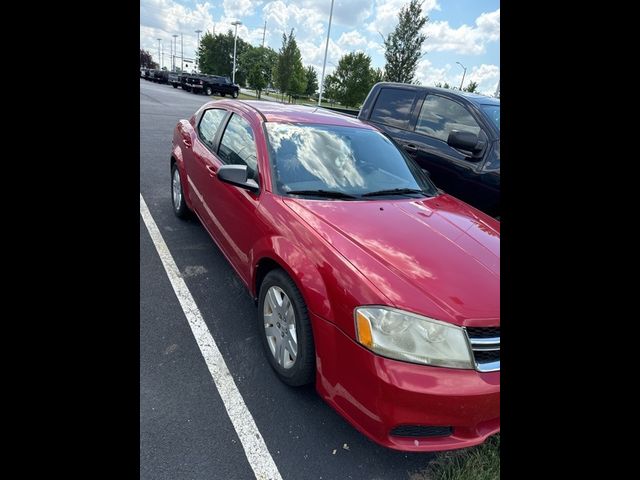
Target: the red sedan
pixel 370 282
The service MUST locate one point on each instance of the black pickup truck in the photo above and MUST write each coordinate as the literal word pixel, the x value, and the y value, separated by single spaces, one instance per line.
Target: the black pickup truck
pixel 210 84
pixel 174 79
pixel 160 76
pixel 453 135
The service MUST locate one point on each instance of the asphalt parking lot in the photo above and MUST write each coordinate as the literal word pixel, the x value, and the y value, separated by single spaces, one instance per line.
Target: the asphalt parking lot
pixel 185 430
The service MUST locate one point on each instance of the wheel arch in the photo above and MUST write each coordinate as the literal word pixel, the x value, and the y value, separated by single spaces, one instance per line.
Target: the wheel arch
pixel 298 266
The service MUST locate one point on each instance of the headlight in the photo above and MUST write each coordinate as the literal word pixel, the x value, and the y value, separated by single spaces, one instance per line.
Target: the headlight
pixel 412 338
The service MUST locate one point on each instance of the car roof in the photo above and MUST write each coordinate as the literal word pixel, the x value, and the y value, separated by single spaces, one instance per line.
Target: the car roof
pixel 283 113
pixel 470 97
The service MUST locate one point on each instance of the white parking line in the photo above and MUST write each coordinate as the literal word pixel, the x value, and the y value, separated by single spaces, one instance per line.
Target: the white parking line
pixel 255 449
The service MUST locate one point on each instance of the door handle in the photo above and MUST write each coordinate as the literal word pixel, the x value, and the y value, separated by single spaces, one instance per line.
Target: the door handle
pixel 411 147
pixel 212 171
pixel 186 141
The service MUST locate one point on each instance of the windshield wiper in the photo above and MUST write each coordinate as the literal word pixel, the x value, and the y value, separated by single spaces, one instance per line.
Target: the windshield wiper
pixel 394 191
pixel 323 193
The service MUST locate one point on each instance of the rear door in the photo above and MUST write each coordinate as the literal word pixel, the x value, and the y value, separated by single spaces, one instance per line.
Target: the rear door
pixel 394 112
pixel 202 166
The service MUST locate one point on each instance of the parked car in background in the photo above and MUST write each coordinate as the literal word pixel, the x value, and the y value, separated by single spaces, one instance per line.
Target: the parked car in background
pixel 369 281
pixel 454 135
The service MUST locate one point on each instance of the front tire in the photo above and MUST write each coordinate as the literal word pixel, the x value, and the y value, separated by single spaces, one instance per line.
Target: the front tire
pixel 285 329
pixel 208 91
pixel 177 194
pixel 234 94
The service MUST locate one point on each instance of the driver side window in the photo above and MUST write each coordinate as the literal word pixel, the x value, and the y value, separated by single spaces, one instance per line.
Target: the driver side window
pixel 238 146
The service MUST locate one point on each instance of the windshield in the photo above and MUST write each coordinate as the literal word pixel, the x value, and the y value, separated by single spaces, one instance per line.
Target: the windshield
pixel 341 162
pixel 493 112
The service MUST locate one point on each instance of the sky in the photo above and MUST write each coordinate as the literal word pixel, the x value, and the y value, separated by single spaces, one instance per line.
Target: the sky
pixel 464 31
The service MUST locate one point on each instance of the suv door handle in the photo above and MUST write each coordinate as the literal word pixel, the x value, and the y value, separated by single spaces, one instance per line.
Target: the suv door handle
pixel 411 146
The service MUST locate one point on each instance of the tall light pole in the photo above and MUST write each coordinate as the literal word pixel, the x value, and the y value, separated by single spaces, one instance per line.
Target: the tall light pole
pixel 181 53
pixel 197 49
pixel 497 95
pixel 159 59
pixel 326 48
pixel 175 49
pixel 235 40
pixel 463 74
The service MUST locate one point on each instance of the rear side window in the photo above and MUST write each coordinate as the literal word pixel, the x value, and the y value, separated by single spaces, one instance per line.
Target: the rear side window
pixel 209 124
pixel 238 146
pixel 439 116
pixel 393 107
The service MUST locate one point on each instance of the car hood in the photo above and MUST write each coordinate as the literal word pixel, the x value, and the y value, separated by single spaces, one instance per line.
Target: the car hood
pixel 435 256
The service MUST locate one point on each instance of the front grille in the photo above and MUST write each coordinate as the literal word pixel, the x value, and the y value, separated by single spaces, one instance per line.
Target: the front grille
pixel 420 431
pixel 483 332
pixel 485 343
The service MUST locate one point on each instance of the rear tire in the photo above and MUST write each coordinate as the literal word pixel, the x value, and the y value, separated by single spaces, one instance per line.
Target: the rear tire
pixel 174 85
pixel 223 94
pixel 208 91
pixel 283 313
pixel 234 94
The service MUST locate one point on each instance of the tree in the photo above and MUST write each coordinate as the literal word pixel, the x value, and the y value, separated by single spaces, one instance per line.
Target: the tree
pixel 330 88
pixel 312 81
pixel 377 75
pixel 259 63
pixel 146 61
pixel 402 46
pixel 215 56
pixel 441 85
pixel 289 74
pixel 354 77
pixel 471 88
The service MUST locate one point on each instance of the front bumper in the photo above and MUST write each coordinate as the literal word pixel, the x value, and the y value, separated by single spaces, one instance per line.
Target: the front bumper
pixel 377 394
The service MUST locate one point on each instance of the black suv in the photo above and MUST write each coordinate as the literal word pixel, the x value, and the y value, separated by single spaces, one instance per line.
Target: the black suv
pixel 453 135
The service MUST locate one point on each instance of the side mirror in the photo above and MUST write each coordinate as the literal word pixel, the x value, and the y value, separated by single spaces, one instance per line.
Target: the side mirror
pixel 237 175
pixel 466 141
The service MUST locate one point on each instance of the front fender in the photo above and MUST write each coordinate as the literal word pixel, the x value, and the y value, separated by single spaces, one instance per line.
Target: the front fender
pixel 299 267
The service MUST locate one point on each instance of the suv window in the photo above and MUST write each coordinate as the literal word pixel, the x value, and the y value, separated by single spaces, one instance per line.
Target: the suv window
pixel 209 124
pixel 393 107
pixel 238 146
pixel 439 115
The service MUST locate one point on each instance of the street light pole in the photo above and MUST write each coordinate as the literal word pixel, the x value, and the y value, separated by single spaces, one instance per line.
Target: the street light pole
pixel 463 74
pixel 326 48
pixel 159 59
pixel 197 50
pixel 181 53
pixel 175 50
pixel 235 40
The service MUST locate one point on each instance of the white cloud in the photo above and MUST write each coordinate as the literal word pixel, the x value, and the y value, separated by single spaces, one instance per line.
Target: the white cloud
pixel 240 8
pixel 387 11
pixel 352 39
pixel 487 76
pixel 348 13
pixel 464 39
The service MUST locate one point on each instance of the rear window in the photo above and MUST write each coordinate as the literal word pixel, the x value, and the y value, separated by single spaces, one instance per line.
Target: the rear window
pixel 393 107
pixel 209 124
